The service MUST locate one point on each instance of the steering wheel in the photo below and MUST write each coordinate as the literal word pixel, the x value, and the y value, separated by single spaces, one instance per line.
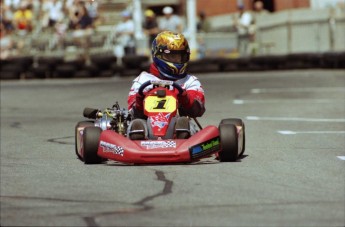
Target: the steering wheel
pixel 166 83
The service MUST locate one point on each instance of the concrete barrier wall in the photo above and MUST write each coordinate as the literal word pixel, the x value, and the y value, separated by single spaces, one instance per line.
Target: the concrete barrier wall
pixel 339 34
pixel 284 32
pixel 295 31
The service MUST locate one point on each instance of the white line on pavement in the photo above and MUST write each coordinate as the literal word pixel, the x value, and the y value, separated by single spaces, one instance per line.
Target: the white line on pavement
pixel 321 101
pixel 303 89
pixel 287 132
pixel 256 118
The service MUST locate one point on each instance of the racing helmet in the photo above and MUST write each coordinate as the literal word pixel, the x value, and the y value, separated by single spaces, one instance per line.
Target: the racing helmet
pixel 170 53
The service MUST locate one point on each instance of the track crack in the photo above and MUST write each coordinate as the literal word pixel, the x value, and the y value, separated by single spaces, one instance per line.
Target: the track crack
pixel 60 140
pixel 167 189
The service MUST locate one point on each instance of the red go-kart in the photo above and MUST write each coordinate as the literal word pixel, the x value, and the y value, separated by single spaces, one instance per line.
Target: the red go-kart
pixel 107 136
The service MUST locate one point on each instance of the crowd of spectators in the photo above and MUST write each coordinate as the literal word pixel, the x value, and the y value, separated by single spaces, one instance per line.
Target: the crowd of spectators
pixel 80 17
pixel 29 14
pixel 20 18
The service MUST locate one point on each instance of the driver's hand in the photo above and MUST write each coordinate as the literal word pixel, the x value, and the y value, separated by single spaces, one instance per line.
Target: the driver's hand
pixel 139 102
pixel 183 98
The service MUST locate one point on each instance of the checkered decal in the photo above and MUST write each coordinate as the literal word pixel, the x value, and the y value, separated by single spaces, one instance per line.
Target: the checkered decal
pixel 112 148
pixel 119 150
pixel 169 144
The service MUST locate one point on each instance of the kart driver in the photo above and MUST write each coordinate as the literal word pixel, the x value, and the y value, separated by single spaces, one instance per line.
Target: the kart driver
pixel 170 54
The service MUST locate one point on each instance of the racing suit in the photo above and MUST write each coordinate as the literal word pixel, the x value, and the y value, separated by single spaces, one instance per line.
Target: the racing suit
pixel 192 101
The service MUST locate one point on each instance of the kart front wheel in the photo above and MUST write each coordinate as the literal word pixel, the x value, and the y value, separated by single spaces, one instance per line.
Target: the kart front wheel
pixel 80 126
pixel 228 142
pixel 238 123
pixel 91 137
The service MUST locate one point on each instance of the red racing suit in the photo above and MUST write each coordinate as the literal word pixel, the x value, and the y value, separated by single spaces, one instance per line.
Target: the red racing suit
pixel 192 102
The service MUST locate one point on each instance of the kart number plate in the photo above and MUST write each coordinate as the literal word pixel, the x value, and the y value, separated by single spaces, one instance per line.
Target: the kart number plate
pixel 157 104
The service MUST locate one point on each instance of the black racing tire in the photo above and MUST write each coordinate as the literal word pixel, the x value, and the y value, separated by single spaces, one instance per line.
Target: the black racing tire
pixel 76 135
pixel 237 122
pixel 90 113
pixel 228 142
pixel 234 121
pixel 91 137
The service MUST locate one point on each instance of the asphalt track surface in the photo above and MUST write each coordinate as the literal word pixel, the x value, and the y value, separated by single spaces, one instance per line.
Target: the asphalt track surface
pixel 292 173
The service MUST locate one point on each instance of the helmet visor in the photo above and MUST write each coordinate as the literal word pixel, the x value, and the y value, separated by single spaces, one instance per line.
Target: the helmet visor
pixel 179 57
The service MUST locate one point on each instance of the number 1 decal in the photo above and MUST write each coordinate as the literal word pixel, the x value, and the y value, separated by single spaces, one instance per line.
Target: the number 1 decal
pixel 160 104
pixel 154 104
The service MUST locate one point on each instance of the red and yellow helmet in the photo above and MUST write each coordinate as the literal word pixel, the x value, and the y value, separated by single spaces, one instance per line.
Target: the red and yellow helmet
pixel 170 53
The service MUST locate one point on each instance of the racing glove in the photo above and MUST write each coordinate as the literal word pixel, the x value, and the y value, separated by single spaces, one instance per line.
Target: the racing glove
pixel 139 102
pixel 191 108
pixel 196 110
pixel 183 99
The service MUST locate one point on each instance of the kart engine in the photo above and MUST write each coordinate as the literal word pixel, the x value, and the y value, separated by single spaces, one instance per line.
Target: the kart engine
pixel 114 118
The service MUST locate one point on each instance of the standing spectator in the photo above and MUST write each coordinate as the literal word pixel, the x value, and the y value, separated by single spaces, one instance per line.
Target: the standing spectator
pixel 170 22
pixel 82 29
pixel 54 10
pixel 13 4
pixel 23 19
pixel 150 26
pixel 6 43
pixel 85 21
pixel 203 24
pixel 258 12
pixel 242 23
pixel 80 19
pixel 124 32
pixel 72 9
pixel 6 16
pixel 259 8
pixel 61 27
pixel 92 8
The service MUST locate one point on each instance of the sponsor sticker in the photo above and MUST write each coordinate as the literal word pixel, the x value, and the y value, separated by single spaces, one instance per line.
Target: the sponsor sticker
pixel 111 148
pixel 158 144
pixel 160 120
pixel 205 148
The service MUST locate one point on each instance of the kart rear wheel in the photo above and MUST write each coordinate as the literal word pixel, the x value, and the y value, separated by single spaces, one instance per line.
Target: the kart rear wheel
pixel 237 122
pixel 77 139
pixel 91 137
pixel 228 142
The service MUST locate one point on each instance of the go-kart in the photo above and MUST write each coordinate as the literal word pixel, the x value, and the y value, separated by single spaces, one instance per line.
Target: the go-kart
pixel 107 136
